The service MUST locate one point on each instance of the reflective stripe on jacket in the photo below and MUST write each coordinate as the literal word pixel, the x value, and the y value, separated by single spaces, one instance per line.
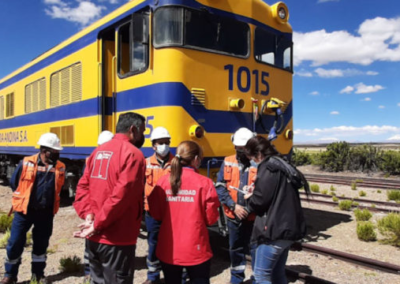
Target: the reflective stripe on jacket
pixel 153 173
pixel 21 196
pixel 232 178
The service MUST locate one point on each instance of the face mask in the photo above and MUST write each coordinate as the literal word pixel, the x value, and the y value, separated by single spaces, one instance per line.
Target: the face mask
pixel 162 150
pixel 53 157
pixel 241 157
pixel 139 142
pixel 254 164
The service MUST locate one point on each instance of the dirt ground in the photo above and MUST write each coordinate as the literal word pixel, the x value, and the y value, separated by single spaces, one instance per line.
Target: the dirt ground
pixel 328 227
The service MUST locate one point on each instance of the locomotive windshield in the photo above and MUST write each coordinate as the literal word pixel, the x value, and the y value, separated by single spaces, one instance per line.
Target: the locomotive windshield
pixel 273 49
pixel 176 26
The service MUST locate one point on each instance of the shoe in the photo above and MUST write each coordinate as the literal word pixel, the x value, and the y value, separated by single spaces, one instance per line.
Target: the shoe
pixel 9 280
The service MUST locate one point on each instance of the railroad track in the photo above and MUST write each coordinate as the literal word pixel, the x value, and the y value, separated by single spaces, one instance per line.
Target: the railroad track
pixel 379 183
pixel 393 207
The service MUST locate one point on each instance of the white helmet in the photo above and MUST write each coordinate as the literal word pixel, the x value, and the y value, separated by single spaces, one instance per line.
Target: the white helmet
pixel 159 133
pixel 50 140
pixel 104 137
pixel 241 136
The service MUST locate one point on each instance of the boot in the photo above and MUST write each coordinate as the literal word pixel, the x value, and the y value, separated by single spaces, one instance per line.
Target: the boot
pixel 9 280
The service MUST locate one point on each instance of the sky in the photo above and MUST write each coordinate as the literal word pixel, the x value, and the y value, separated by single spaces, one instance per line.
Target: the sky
pixel 346 82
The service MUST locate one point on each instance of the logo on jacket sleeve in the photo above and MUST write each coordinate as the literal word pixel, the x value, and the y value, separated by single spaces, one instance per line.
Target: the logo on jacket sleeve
pixel 101 164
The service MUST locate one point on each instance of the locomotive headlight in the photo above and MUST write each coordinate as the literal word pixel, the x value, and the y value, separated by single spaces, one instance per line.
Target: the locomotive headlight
pixel 196 131
pixel 280 12
pixel 289 134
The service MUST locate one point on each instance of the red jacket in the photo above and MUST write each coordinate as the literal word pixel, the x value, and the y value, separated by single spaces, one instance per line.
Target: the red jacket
pixel 183 238
pixel 112 189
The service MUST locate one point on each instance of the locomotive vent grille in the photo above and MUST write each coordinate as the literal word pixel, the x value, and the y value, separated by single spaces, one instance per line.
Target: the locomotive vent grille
pixel 35 96
pixel 65 133
pixel 66 85
pixel 198 97
pixel 1 108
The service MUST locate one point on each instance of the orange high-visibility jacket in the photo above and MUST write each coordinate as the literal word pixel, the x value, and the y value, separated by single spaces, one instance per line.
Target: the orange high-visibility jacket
pixel 21 196
pixel 153 173
pixel 232 178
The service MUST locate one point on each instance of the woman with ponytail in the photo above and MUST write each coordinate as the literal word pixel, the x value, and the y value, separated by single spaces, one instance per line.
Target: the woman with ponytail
pixel 186 203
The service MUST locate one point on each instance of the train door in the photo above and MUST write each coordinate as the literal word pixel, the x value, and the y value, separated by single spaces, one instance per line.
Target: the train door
pixel 108 73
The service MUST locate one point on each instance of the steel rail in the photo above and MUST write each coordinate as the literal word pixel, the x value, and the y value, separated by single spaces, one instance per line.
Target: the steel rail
pixel 390 204
pixel 352 258
pixel 331 203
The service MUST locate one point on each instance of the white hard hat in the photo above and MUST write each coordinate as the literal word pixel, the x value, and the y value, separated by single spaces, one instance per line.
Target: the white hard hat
pixel 159 133
pixel 241 136
pixel 104 137
pixel 50 140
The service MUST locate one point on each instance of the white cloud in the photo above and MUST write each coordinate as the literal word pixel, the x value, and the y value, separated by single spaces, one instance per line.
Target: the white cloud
pixel 361 88
pixel 398 104
pixel 303 73
pixel 315 93
pixel 331 73
pixel 394 138
pixel 381 107
pixel 349 131
pixel 55 2
pixel 377 39
pixel 366 100
pixel 334 112
pixel 111 1
pixel 85 13
pixel 347 90
pixel 328 139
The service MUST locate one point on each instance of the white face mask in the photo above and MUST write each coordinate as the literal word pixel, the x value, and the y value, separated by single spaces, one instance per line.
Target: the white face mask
pixel 254 163
pixel 162 150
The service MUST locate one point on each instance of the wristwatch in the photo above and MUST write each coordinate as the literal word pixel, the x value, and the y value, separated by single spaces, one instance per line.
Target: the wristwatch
pixel 232 207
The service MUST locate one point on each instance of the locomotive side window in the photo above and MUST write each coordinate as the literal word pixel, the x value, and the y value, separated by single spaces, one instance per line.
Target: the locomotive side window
pixel 195 29
pixel 272 49
pixel 1 108
pixel 35 96
pixel 133 42
pixel 10 105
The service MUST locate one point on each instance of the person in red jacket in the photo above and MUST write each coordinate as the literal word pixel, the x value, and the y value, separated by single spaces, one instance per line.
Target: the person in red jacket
pixel 157 165
pixel 186 203
pixel 111 189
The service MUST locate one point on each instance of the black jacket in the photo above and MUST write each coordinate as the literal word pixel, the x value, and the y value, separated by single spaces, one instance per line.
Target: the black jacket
pixel 276 202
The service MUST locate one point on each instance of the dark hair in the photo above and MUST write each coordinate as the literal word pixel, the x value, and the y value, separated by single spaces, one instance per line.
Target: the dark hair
pixel 185 154
pixel 128 119
pixel 259 145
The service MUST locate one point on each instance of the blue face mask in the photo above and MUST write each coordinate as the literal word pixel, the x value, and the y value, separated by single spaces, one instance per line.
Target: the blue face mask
pixel 254 164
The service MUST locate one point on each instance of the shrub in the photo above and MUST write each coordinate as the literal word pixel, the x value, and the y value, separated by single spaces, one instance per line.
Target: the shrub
pixel 379 191
pixel 362 215
pixel 332 193
pixel 362 193
pixel 335 199
pixel 300 158
pixel 390 162
pixel 393 195
pixel 364 158
pixel 345 205
pixel 354 203
pixel 314 188
pixel 28 239
pixel 354 185
pixel 325 191
pixel 335 157
pixel 4 239
pixel 332 188
pixel 70 264
pixel 5 223
pixel 389 226
pixel 365 231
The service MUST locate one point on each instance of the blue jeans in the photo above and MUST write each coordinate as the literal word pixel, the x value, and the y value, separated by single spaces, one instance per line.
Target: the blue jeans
pixel 153 264
pixel 239 246
pixel 42 221
pixel 269 265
